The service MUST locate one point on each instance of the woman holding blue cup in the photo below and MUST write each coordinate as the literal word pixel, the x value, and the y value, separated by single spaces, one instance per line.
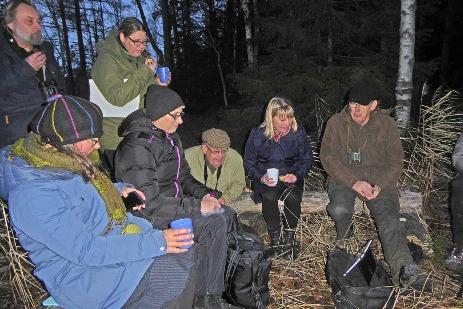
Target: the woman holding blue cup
pixel 122 71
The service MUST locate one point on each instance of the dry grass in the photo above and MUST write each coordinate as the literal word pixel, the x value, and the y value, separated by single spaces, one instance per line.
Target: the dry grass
pixel 302 283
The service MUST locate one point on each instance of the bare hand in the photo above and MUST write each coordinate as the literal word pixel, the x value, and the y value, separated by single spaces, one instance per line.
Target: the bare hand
pixel 37 60
pixel 268 181
pixel 178 238
pixel 221 201
pixel 126 191
pixel 289 178
pixel 364 189
pixel 209 204
pixel 375 192
pixel 151 63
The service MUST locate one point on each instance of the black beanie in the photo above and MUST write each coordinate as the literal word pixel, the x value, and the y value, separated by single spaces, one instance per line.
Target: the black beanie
pixel 160 101
pixel 363 93
pixel 68 120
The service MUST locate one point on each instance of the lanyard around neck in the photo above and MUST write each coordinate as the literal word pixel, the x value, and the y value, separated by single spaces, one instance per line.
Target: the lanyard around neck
pixel 219 170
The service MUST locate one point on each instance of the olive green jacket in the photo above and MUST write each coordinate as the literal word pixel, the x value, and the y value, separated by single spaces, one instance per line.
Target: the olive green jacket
pixel 231 182
pixel 378 141
pixel 112 66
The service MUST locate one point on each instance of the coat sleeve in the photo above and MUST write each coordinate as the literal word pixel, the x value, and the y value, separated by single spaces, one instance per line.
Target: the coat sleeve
pixel 457 156
pixel 251 157
pixel 331 156
pixel 14 72
pixel 236 182
pixel 110 81
pixel 49 221
pixel 191 186
pixel 142 173
pixel 305 157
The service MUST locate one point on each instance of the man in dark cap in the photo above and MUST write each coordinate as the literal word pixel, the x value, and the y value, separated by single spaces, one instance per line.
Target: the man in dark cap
pixel 363 156
pixel 216 165
pixel 151 158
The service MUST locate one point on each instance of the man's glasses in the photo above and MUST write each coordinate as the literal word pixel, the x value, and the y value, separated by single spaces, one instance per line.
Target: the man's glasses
pixel 213 151
pixel 138 43
pixel 94 141
pixel 177 115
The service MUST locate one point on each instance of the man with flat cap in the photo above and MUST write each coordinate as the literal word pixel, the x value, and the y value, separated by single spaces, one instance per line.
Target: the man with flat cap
pixel 363 156
pixel 217 166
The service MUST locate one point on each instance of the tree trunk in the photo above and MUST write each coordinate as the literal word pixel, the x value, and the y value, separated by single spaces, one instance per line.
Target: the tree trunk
pixel 256 35
pixel 82 83
pixel 67 50
pixel 248 31
pixel 219 66
pixel 404 85
pixel 148 31
pixel 167 32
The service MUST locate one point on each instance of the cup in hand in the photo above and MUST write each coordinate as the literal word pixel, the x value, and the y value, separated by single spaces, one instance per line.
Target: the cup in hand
pixel 273 173
pixel 185 223
pixel 163 74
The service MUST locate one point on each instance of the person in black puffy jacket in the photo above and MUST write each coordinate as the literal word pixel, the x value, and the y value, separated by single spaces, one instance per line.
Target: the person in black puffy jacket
pixel 151 158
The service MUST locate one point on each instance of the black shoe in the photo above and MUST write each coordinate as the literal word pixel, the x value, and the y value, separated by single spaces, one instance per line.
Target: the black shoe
pixel 275 242
pixel 210 301
pixel 411 276
pixel 455 260
pixel 347 234
pixel 290 246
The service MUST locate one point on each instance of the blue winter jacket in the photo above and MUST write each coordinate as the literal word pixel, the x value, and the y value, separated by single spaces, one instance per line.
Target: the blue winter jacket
pixel 59 219
pixel 291 155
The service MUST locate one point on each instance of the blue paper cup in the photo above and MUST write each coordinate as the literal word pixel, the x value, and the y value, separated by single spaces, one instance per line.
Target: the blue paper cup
pixel 163 74
pixel 185 223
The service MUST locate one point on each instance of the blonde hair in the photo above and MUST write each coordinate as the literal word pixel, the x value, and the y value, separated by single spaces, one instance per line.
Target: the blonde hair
pixel 281 107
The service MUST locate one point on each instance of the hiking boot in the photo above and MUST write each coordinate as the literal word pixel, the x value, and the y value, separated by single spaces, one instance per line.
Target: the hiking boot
pixel 455 260
pixel 411 276
pixel 210 301
pixel 347 234
pixel 275 242
pixel 290 247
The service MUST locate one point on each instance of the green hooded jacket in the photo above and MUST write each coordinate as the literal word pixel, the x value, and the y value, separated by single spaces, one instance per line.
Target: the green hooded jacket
pixel 112 66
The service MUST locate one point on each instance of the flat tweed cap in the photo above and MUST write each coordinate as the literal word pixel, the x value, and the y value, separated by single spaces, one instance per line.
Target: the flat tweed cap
pixel 363 93
pixel 216 138
pixel 68 120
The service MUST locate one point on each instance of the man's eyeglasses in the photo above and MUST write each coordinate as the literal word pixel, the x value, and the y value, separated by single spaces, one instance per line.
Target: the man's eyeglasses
pixel 177 115
pixel 138 43
pixel 213 151
pixel 94 141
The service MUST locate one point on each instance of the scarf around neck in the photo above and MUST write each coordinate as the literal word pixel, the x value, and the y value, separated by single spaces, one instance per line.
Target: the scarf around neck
pixel 36 154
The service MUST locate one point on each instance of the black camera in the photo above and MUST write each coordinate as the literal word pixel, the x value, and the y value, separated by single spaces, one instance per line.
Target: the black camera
pixel 48 88
pixel 354 157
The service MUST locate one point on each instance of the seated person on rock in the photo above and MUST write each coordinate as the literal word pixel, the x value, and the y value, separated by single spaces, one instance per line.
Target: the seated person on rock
pixel 70 217
pixel 217 166
pixel 455 260
pixel 363 157
pixel 279 142
pixel 151 158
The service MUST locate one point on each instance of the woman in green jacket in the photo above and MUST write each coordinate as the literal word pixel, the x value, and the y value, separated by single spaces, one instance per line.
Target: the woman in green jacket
pixel 122 71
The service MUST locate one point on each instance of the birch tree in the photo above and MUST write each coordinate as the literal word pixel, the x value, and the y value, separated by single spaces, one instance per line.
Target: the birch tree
pixel 248 31
pixel 404 85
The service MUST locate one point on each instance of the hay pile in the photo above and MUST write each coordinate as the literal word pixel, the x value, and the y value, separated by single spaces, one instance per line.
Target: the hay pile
pixel 302 283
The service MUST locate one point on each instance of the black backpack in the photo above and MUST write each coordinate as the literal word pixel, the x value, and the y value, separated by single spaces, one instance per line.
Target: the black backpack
pixel 247 271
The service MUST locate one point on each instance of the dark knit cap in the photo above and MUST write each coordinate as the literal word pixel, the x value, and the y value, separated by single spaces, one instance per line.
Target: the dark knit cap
pixel 68 120
pixel 216 138
pixel 160 101
pixel 363 93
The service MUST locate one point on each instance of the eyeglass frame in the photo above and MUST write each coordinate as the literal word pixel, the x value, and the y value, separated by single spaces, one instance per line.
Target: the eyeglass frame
pixel 94 141
pixel 221 151
pixel 179 114
pixel 138 43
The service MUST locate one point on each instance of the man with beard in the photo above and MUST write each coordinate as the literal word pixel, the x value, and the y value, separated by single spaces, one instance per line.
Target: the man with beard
pixel 29 71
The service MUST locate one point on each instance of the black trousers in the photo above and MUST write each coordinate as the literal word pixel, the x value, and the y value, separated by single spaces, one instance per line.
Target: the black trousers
pixel 291 196
pixel 456 207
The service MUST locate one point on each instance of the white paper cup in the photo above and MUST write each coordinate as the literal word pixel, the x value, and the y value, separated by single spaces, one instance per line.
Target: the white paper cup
pixel 273 173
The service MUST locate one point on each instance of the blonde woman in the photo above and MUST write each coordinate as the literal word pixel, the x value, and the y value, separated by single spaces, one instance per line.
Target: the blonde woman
pixel 279 142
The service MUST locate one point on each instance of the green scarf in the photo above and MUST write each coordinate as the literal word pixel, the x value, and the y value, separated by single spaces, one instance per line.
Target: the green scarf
pixel 33 151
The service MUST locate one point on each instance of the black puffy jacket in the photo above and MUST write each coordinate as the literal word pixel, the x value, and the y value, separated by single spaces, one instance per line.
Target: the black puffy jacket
pixel 147 158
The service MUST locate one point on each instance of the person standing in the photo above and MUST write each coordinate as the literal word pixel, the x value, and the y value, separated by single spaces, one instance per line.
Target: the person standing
pixel 28 69
pixel 217 166
pixel 362 154
pixel 279 142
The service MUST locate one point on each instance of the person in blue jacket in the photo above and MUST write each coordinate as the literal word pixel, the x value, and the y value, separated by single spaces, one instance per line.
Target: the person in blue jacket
pixel 279 142
pixel 71 219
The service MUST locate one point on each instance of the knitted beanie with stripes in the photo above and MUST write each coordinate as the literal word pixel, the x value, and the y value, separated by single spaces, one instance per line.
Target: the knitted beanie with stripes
pixel 68 120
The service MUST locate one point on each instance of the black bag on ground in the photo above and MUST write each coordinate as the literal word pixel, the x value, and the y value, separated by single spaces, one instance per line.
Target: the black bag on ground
pixel 247 271
pixel 366 285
